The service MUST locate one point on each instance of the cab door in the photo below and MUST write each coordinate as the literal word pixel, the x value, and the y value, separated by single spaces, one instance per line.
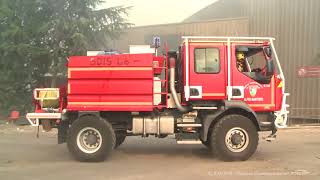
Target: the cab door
pixel 207 71
pixel 254 82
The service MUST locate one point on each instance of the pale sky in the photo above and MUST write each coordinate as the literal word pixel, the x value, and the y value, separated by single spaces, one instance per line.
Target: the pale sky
pixel 148 12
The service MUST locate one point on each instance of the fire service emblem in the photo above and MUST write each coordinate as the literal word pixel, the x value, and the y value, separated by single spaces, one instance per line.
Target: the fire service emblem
pixel 253 91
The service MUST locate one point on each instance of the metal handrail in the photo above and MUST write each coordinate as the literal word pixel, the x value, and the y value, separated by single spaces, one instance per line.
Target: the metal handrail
pixel 228 37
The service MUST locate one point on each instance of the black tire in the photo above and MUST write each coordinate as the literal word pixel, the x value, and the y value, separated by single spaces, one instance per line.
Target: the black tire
pixel 120 137
pixel 107 137
pixel 226 126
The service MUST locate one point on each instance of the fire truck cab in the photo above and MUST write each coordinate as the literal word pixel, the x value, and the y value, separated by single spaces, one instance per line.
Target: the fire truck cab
pixel 215 91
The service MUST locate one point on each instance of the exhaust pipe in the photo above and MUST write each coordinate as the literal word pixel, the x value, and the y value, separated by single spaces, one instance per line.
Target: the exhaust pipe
pixel 172 86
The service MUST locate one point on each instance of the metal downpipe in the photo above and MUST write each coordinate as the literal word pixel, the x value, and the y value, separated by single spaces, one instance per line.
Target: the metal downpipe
pixel 173 89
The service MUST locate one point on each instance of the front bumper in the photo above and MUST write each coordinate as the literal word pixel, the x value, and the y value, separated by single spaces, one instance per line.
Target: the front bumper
pixel 282 115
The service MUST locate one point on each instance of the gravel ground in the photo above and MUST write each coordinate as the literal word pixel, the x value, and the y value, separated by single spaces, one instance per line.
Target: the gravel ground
pixel 294 155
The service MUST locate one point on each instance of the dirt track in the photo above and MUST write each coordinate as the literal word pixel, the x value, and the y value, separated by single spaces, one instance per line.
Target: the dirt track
pixel 294 155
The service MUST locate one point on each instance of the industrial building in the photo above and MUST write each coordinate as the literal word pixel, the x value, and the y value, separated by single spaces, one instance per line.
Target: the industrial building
pixel 294 23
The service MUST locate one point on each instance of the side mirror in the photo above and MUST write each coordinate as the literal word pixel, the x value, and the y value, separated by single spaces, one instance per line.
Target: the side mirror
pixel 270 68
pixel 267 51
pixel 265 77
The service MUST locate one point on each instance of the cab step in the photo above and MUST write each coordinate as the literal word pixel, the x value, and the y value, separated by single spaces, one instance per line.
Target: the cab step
pixel 188 138
pixel 266 123
pixel 204 108
pixel 189 125
pixel 189 141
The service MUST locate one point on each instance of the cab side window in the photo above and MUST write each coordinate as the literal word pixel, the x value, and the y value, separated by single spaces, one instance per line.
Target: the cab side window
pixel 207 60
pixel 253 62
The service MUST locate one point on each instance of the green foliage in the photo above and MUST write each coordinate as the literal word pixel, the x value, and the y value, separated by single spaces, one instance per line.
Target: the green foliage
pixel 37 36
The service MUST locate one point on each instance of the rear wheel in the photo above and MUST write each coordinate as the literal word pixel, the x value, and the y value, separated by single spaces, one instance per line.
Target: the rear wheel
pixel 91 139
pixel 234 138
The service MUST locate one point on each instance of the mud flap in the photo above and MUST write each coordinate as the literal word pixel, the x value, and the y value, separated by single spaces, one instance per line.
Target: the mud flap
pixel 63 132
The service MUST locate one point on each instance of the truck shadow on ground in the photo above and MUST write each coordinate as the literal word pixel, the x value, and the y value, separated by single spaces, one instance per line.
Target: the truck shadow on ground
pixel 168 148
pixel 199 151
pixel 193 152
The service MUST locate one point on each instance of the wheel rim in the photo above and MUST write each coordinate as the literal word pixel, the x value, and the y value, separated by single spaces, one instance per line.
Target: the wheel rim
pixel 89 140
pixel 237 139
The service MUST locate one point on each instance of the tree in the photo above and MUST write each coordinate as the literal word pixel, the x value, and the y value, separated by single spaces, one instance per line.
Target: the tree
pixel 36 37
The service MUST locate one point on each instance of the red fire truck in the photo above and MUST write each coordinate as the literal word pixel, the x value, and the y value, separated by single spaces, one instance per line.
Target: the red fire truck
pixel 215 91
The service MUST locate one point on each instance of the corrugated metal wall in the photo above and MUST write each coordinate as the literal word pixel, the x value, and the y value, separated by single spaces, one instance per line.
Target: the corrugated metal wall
pixel 172 33
pixel 296 26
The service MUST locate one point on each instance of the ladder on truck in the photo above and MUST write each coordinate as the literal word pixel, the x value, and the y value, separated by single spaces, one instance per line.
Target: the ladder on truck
pixel 163 93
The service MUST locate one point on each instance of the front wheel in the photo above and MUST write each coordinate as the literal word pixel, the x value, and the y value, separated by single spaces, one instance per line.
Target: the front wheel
pixel 234 138
pixel 91 139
